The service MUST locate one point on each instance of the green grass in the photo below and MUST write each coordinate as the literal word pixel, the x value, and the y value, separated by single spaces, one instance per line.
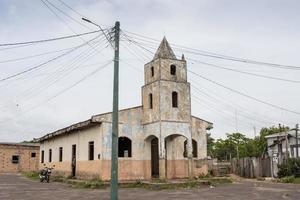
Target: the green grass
pixel 155 184
pixel 289 179
pixel 31 175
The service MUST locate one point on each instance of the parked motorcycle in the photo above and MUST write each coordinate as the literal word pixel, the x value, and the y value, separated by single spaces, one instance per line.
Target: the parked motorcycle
pixel 45 174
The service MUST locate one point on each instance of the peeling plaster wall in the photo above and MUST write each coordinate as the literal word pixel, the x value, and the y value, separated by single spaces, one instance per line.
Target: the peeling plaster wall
pixel 199 134
pixel 167 112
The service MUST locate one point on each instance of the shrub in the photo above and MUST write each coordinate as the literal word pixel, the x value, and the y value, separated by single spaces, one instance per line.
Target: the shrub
pixel 289 168
pixel 288 179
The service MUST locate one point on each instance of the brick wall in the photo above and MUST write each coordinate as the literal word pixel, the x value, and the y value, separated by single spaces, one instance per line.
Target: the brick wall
pixel 28 158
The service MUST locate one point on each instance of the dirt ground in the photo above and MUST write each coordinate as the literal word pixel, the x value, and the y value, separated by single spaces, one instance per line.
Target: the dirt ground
pixel 16 187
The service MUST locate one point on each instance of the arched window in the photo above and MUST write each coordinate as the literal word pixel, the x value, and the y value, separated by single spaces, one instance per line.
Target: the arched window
pixel 152 71
pixel 124 147
pixel 195 149
pixel 150 101
pixel 174 99
pixel 173 70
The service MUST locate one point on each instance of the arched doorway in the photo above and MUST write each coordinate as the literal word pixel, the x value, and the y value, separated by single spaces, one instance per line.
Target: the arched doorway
pixel 154 158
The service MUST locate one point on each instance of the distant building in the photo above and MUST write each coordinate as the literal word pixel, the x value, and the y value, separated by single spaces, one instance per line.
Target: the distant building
pixel 283 143
pixel 280 146
pixel 160 138
pixel 19 157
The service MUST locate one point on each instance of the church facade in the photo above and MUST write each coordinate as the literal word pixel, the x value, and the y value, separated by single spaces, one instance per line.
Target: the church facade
pixel 158 139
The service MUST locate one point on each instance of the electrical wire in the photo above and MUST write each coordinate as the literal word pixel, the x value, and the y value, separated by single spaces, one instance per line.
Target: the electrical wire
pixel 219 56
pixel 66 14
pixel 245 95
pixel 50 39
pixel 44 63
pixel 59 93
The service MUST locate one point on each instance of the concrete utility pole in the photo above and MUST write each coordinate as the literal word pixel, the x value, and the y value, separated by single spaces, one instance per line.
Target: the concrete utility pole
pixel 297 148
pixel 115 114
pixel 115 119
pixel 286 143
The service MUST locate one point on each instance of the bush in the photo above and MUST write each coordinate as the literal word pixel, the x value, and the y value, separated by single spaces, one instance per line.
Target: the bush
pixel 287 179
pixel 291 167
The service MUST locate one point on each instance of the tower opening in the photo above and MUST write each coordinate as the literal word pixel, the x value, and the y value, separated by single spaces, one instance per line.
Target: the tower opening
pixel 152 71
pixel 150 101
pixel 174 99
pixel 173 70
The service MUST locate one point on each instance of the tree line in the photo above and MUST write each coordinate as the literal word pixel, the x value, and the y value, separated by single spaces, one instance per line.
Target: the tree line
pixel 237 145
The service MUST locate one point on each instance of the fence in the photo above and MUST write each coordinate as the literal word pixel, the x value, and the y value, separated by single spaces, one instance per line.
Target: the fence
pixel 251 167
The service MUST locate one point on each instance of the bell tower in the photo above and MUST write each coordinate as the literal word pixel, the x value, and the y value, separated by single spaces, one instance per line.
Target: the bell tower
pixel 166 105
pixel 166 93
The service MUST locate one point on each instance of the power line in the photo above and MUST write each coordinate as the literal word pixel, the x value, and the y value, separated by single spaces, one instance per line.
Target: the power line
pixel 33 56
pixel 44 63
pixel 65 4
pixel 49 40
pixel 243 72
pixel 70 17
pixel 66 24
pixel 60 92
pixel 218 56
pixel 245 95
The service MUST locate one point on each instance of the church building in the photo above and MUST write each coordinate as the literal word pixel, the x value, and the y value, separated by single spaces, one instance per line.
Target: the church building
pixel 159 139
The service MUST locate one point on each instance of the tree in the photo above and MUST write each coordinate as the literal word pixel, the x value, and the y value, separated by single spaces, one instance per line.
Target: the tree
pixel 238 144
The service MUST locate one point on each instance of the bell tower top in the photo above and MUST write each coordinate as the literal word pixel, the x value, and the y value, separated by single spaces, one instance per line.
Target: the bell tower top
pixel 165 66
pixel 164 51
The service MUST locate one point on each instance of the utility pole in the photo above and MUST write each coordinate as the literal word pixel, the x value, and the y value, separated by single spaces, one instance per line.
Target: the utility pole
pixel 286 143
pixel 115 119
pixel 254 129
pixel 297 148
pixel 236 121
pixel 115 113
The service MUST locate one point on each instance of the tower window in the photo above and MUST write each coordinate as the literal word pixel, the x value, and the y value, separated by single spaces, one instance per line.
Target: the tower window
pixel 174 99
pixel 152 71
pixel 173 69
pixel 150 101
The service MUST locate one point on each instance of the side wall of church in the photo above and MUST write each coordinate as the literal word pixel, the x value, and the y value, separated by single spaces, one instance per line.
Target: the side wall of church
pixel 85 168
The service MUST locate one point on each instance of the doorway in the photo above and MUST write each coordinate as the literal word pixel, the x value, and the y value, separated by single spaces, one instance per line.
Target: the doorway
pixel 74 160
pixel 154 158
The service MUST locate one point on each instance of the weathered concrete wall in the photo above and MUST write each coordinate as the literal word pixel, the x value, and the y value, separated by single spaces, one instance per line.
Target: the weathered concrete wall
pixel 26 161
pixel 84 167
pixel 199 134
pixel 183 112
pixel 162 70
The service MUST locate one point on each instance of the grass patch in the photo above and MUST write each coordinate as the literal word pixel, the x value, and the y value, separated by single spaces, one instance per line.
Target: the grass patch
pixel 155 184
pixel 31 175
pixel 92 184
pixel 289 179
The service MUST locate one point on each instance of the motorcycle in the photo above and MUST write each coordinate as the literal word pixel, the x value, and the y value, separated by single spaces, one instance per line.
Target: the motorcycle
pixel 45 174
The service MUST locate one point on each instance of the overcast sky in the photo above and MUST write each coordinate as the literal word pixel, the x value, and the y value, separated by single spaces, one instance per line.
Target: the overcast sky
pixel 34 104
